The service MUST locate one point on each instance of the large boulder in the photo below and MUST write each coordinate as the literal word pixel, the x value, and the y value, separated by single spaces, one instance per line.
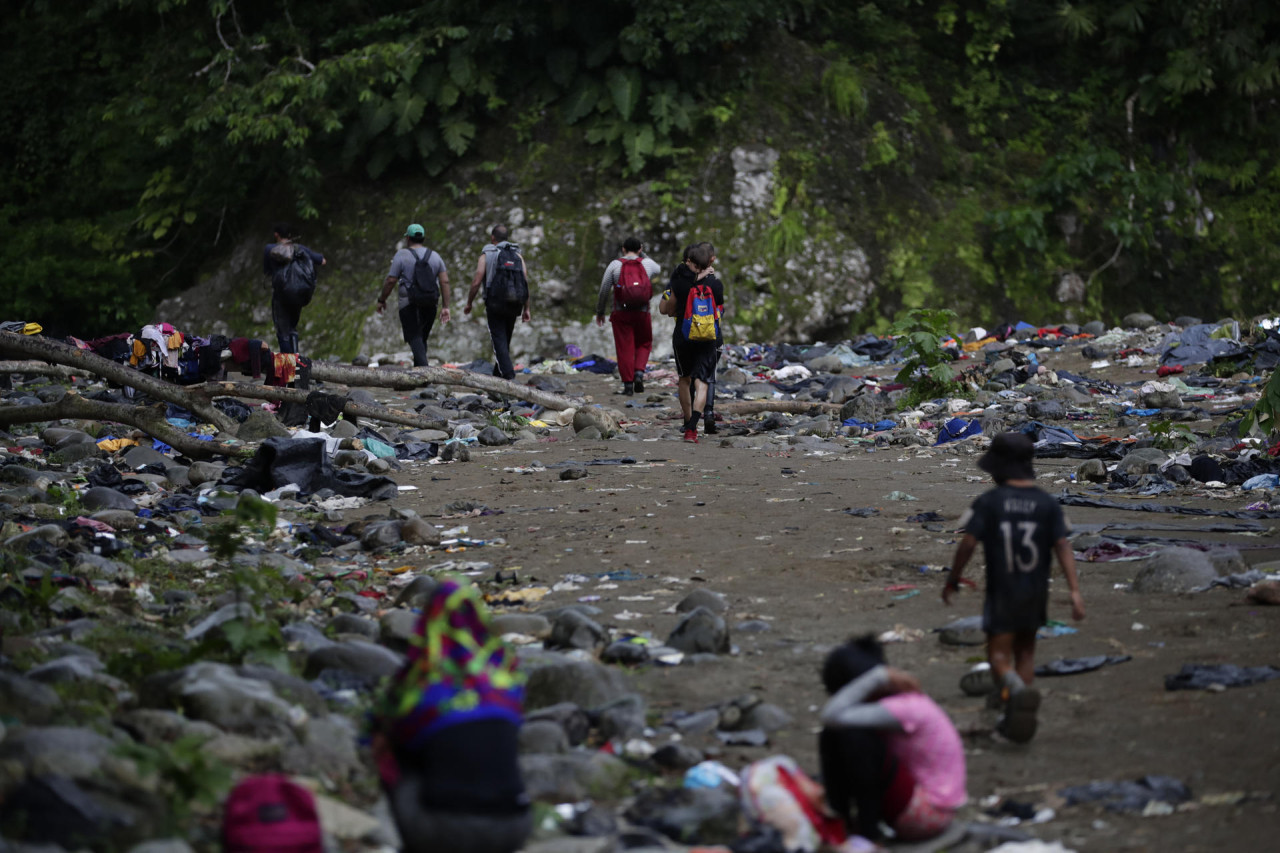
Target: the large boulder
pixel 213 692
pixel 584 683
pixel 1174 570
pixel 701 631
pixel 594 416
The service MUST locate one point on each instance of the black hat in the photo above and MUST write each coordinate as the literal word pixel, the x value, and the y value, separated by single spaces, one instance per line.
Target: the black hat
pixel 1009 458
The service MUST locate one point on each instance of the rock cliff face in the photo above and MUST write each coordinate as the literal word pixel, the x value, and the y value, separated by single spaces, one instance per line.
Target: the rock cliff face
pixel 786 275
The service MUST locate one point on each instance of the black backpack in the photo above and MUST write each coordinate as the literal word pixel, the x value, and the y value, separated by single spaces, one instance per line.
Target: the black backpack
pixel 508 288
pixel 424 288
pixel 295 282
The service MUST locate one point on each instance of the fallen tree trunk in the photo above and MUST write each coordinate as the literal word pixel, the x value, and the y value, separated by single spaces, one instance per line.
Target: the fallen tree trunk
pixel 39 368
pixel 148 419
pixel 407 379
pixel 294 395
pixel 789 407
pixel 46 349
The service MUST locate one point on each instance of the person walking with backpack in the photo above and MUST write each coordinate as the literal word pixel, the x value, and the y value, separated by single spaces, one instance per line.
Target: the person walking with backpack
pixel 291 269
pixel 708 411
pixel 505 278
pixel 627 286
pixel 423 286
pixel 695 298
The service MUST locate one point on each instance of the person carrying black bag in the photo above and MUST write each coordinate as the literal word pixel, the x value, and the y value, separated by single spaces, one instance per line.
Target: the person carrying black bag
pixel 423 284
pixel 290 268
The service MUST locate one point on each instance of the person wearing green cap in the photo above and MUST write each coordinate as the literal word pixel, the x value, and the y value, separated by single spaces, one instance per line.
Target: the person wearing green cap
pixel 423 286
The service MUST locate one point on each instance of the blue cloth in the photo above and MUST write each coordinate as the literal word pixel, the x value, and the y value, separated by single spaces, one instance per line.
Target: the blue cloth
pixel 878 426
pixel 1142 413
pixel 958 428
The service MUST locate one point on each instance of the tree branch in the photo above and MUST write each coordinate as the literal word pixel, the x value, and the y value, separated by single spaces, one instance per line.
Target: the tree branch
pixel 48 349
pixel 39 368
pixel 150 420
pixel 420 377
pixel 294 395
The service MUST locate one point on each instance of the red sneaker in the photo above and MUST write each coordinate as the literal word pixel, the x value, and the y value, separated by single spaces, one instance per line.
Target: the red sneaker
pixel 691 435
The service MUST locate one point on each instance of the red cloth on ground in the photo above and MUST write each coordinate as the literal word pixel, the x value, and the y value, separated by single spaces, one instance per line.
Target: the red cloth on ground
pixel 632 340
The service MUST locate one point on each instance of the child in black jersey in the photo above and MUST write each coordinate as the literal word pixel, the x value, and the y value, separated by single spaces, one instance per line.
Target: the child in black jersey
pixel 1021 528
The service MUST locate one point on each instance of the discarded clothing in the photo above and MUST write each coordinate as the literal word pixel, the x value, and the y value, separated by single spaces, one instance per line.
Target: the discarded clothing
pixel 303 461
pixel 1129 796
pixel 1075 666
pixel 1194 676
pixel 1100 503
pixel 924 517
pixel 878 426
pixel 957 429
pixel 1262 481
pixel 862 511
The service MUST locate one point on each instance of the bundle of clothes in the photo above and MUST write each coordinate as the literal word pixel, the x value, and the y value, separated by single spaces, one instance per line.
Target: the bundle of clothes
pixel 161 350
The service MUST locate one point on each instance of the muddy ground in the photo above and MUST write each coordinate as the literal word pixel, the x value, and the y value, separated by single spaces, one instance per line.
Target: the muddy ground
pixel 767 529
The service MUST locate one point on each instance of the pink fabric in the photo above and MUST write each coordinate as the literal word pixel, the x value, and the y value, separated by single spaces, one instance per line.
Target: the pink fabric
pixel 922 818
pixel 929 747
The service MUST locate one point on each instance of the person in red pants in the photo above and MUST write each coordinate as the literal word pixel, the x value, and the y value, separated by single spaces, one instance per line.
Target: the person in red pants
pixel 627 286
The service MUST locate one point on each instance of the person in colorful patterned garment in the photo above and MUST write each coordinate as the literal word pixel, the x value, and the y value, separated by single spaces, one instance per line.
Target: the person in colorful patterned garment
pixel 445 733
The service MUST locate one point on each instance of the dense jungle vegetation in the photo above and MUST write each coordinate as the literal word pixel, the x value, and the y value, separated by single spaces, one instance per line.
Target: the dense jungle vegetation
pixel 1005 144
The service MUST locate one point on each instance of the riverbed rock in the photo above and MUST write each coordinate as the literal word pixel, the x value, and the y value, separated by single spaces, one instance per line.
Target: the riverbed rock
pixel 1174 570
pixel 584 683
pixel 700 631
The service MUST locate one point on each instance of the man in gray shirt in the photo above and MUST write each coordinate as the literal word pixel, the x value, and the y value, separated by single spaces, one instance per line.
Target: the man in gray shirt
pixel 417 305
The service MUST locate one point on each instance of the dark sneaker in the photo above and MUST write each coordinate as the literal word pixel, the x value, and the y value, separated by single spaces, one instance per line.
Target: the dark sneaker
pixel 691 436
pixel 628 388
pixel 1019 722
pixel 709 424
pixel 639 384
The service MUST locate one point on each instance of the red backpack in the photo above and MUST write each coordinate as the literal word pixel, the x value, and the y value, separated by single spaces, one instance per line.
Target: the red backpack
pixel 633 289
pixel 270 814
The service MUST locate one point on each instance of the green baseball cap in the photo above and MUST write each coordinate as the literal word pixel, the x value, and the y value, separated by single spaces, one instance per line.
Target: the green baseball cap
pixel 415 230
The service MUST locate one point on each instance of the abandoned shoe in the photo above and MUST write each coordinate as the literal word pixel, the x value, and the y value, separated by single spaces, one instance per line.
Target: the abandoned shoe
pixel 978 681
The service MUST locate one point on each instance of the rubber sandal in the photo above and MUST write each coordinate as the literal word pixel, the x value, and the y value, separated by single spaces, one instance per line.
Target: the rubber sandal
pixel 1019 724
pixel 978 682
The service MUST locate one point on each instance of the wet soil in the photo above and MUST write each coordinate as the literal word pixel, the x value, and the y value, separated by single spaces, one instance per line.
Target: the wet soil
pixel 767 529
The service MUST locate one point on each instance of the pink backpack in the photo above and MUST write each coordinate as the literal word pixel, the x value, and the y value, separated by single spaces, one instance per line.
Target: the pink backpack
pixel 270 814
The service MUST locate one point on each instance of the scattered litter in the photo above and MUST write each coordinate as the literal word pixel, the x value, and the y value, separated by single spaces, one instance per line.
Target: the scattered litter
pixel 1075 666
pixel 1220 675
pixel 1129 796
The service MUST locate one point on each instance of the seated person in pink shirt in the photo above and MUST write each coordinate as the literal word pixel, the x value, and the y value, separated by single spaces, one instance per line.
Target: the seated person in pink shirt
pixel 889 753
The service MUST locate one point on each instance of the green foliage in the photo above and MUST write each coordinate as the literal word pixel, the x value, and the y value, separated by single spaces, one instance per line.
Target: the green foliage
pixel 1130 142
pixel 188 778
pixel 134 128
pixel 1173 436
pixel 843 86
pixel 927 369
pixel 1265 414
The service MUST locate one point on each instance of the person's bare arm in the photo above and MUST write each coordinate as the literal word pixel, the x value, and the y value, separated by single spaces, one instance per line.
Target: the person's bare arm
pixel 527 316
pixel 1067 558
pixel 443 278
pixel 387 283
pixel 854 706
pixel 476 281
pixel 964 551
